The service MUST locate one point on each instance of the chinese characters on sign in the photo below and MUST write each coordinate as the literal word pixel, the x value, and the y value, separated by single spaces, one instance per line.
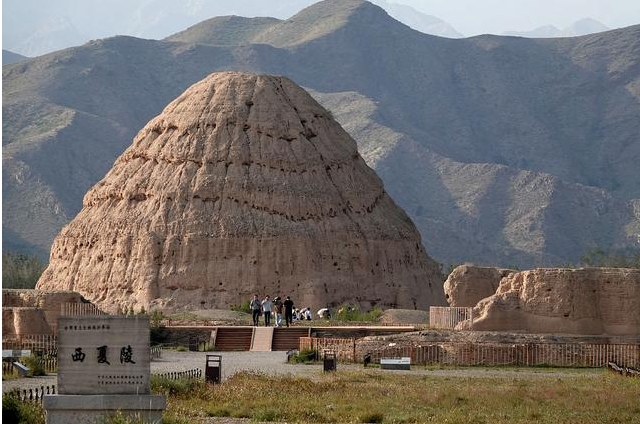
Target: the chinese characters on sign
pixel 126 355
pixel 78 355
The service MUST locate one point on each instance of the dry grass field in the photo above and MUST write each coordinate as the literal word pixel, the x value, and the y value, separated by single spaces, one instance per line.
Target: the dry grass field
pixel 375 396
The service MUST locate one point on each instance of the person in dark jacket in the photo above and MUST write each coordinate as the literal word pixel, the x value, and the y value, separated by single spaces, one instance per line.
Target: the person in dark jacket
pixel 288 311
pixel 256 309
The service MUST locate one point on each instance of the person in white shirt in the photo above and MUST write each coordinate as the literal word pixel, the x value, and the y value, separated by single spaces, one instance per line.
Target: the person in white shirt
pixel 267 305
pixel 279 309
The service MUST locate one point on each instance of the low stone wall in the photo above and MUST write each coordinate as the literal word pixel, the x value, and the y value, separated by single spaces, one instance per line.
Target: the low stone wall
pixel 29 311
pixel 187 336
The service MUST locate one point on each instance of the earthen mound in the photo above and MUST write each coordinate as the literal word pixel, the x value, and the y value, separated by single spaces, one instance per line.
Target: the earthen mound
pixel 244 184
pixel 558 300
pixel 468 284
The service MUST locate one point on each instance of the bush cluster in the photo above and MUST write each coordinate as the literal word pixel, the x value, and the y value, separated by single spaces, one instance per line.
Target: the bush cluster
pixel 349 312
pixel 20 271
pixel 16 411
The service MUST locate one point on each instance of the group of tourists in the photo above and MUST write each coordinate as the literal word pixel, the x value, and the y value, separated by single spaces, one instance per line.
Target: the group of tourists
pixel 267 307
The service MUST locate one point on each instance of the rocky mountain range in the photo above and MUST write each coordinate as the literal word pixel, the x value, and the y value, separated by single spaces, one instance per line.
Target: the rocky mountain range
pixel 34 28
pixel 504 151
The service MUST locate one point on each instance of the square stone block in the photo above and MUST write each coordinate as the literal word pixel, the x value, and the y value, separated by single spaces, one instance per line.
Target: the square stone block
pixel 86 409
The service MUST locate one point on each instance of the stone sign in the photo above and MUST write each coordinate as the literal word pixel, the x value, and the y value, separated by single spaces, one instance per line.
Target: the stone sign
pixel 103 354
pixel 103 369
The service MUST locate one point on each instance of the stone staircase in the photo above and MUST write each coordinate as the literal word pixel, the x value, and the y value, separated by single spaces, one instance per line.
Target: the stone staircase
pixel 287 338
pixel 259 339
pixel 233 338
pixel 262 338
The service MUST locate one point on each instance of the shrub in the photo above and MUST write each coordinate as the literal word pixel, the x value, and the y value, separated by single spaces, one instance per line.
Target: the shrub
pixel 372 417
pixel 35 365
pixel 348 312
pixel 219 411
pixel 265 415
pixel 305 355
pixel 244 307
pixel 16 411
pixel 206 347
pixel 120 418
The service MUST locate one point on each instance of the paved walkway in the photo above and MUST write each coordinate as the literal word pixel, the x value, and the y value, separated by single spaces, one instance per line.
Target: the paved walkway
pixel 174 361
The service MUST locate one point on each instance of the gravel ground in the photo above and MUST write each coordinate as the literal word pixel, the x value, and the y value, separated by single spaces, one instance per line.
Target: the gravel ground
pixel 275 363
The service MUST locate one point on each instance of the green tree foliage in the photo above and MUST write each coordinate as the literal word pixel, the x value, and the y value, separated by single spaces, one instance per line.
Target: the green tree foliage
pixel 244 307
pixel 158 332
pixel 348 312
pixel 20 271
pixel 628 258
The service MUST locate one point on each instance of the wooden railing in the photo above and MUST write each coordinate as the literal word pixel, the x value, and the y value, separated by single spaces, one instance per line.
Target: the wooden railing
pixel 448 317
pixel 33 342
pixel 79 309
pixel 32 395
pixel 484 354
pixel 189 374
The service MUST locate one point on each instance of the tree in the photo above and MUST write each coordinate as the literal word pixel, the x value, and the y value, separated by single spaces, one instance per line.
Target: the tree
pixel 627 258
pixel 20 271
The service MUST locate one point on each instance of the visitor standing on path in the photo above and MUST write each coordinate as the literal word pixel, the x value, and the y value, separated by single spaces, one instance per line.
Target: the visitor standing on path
pixel 267 305
pixel 279 307
pixel 288 311
pixel 256 309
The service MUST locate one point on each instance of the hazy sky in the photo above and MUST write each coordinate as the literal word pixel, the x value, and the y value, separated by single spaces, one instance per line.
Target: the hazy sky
pixel 473 17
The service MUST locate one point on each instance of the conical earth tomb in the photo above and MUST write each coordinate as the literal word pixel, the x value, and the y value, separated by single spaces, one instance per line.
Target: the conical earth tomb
pixel 243 184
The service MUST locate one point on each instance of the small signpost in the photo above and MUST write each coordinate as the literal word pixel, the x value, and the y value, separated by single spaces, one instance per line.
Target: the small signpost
pixel 103 369
pixel 403 363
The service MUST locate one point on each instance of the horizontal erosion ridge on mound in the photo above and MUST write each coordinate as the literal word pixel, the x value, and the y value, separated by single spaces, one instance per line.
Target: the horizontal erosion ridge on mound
pixel 328 166
pixel 201 128
pixel 331 212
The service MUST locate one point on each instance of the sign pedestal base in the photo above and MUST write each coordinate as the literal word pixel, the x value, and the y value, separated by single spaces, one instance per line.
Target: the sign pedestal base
pixel 85 409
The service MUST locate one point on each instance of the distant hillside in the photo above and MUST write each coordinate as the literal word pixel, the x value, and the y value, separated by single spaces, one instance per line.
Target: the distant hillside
pixel 34 27
pixel 11 57
pixel 419 21
pixel 224 31
pixel 504 151
pixel 582 27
